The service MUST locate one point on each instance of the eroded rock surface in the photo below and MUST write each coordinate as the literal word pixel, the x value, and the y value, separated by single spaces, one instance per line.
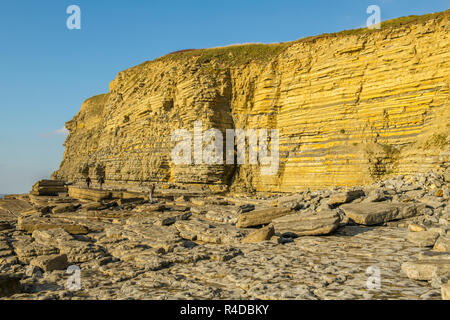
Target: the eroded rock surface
pixel 295 246
pixel 350 108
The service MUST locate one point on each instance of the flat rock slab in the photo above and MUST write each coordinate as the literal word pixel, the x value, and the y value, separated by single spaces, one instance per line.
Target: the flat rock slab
pixel 308 223
pixel 51 236
pixel 379 212
pixel 222 215
pixel 26 249
pixel 197 230
pixel 5 249
pixel 149 207
pixel 423 238
pixel 261 217
pixel 89 194
pixel 15 206
pixel 434 255
pixel 150 261
pixel 345 197
pixel 80 251
pixel 64 207
pixel 5 225
pixel 49 188
pixel 76 251
pixel 94 206
pixel 442 244
pixel 426 269
pixel 7 219
pixel 157 237
pixel 245 208
pixel 260 235
pixel 31 223
pixel 51 262
pixel 9 285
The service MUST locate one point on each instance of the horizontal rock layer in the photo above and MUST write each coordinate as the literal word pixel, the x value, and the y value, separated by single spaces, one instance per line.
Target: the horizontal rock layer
pixel 349 107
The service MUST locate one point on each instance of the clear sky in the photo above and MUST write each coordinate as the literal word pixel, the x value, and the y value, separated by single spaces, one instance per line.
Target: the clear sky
pixel 47 70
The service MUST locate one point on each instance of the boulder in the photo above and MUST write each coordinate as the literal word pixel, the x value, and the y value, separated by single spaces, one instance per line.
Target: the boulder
pixel 260 235
pixel 260 217
pixel 27 250
pixel 442 244
pixel 375 195
pixel 345 197
pixel 288 201
pixel 51 262
pixel 33 271
pixel 423 238
pixel 48 188
pixel 426 269
pixel 89 194
pixel 308 223
pixel 51 236
pixel 9 285
pixel 379 212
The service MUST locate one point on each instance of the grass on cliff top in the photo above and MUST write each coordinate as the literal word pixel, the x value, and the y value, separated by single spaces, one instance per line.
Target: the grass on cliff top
pixel 388 24
pixel 399 22
pixel 232 55
pixel 245 53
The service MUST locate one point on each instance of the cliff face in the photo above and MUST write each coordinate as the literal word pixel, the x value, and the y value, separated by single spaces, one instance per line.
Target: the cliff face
pixel 350 108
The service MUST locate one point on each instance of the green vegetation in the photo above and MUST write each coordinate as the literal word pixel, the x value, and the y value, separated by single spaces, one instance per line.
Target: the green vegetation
pixel 245 53
pixel 396 23
pixel 437 140
pixel 232 55
pixel 383 163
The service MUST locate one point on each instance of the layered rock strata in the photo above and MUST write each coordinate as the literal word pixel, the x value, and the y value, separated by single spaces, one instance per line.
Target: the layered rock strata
pixel 350 108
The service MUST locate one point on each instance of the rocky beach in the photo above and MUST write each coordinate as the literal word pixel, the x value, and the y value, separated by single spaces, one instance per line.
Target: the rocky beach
pixel 308 245
pixel 358 206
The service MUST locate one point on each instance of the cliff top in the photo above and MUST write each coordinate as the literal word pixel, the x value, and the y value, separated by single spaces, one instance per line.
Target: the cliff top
pixel 244 53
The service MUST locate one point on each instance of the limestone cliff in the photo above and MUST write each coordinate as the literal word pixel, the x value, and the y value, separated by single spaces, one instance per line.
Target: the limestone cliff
pixel 350 108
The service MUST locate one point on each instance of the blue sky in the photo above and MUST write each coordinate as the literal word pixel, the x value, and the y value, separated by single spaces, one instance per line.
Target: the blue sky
pixel 47 70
